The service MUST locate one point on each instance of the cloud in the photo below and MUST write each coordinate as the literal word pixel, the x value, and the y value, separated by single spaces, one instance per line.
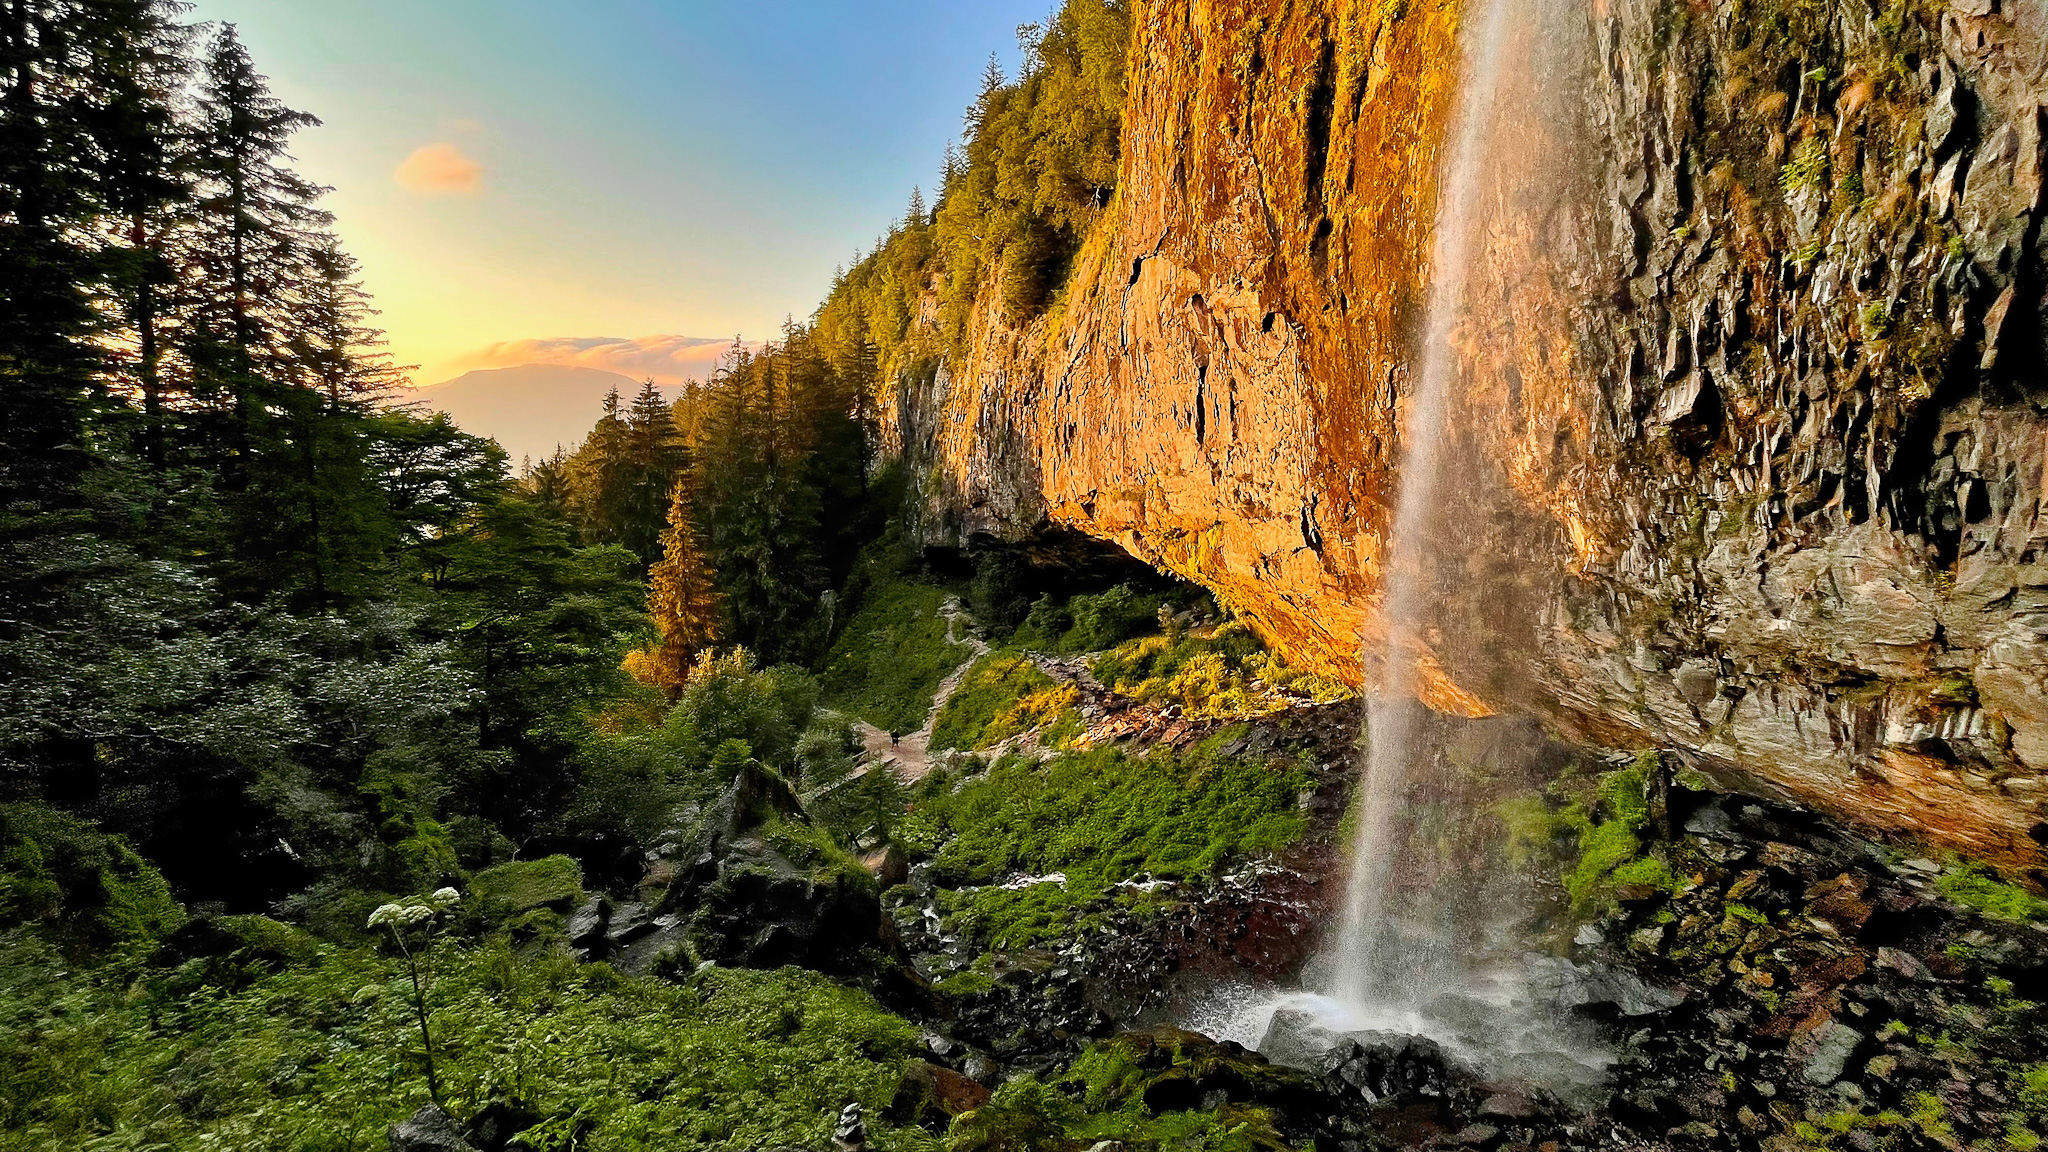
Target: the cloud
pixel 668 359
pixel 439 170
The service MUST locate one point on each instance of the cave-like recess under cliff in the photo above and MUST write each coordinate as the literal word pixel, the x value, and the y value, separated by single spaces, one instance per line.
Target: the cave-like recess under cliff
pixel 1755 377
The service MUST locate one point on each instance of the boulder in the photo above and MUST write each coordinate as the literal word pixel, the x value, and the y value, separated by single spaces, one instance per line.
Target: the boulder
pixel 428 1130
pixel 930 1096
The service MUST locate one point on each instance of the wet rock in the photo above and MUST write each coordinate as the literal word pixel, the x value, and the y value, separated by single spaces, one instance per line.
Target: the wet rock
pixel 586 925
pixel 1826 1052
pixel 1475 1136
pixel 428 1130
pixel 495 1124
pixel 931 1095
pixel 1840 902
pixel 851 1133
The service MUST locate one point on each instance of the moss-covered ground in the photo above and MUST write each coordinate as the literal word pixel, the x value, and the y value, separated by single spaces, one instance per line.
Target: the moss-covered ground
pixel 1098 818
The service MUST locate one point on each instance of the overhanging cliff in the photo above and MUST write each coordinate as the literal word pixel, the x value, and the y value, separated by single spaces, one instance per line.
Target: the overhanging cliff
pixel 1755 377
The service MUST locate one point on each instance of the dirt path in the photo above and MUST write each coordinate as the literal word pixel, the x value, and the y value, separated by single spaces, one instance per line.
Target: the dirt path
pixel 909 756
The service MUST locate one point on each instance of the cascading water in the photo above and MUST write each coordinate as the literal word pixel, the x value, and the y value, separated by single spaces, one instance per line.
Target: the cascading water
pixel 1427 942
pixel 1371 964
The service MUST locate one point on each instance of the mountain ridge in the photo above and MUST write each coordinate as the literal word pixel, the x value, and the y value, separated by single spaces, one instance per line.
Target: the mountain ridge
pixel 529 409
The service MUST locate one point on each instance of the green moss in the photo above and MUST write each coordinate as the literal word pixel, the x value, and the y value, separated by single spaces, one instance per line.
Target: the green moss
pixel 1648 870
pixel 1098 817
pixel 1745 912
pixel 1612 850
pixel 1102 1097
pixel 887 664
pixel 811 847
pixel 523 885
pixel 1970 884
pixel 965 983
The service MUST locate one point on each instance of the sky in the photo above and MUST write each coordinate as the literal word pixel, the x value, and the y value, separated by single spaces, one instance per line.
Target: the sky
pixel 624 184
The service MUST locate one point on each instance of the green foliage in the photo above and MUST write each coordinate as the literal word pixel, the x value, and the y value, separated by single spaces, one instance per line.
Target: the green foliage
pixel 1102 1098
pixel 1608 847
pixel 1039 166
pixel 1970 884
pixel 522 885
pixel 889 661
pixel 85 891
pixel 1109 618
pixel 323 1056
pixel 1098 817
pixel 1003 695
pixel 1228 673
pixel 726 699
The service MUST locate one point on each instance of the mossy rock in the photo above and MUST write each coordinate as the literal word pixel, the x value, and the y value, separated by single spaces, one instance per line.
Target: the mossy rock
pixel 1161 1088
pixel 233 952
pixel 552 882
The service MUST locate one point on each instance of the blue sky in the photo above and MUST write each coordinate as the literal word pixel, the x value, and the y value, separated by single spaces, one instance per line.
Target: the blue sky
pixel 621 168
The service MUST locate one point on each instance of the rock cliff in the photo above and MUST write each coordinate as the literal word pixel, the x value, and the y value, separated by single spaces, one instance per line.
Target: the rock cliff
pixel 1753 434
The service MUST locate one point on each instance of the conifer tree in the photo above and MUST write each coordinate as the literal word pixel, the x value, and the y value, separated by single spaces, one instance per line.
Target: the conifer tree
pixel 682 600
pixel 59 100
pixel 259 226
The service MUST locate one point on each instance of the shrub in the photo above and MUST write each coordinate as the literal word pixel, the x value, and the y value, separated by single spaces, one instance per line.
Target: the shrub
pixel 84 890
pixel 1003 695
pixel 326 1055
pixel 725 698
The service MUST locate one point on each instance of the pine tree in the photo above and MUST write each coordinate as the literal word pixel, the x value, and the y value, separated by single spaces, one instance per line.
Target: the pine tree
pixel 61 96
pixel 142 167
pixel 259 226
pixel 682 599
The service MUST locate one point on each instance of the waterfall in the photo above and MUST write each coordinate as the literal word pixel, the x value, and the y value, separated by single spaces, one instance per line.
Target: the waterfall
pixel 1432 936
pixel 1370 965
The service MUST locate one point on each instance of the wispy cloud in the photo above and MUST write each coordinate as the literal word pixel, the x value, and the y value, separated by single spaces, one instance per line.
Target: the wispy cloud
pixel 668 359
pixel 439 170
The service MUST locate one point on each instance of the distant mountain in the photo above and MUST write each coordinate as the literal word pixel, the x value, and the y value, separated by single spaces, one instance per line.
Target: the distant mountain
pixel 529 409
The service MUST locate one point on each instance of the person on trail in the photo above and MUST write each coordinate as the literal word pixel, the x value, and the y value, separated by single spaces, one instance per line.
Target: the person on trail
pixel 892 737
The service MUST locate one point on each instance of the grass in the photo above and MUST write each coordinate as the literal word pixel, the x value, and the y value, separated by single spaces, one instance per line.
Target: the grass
pixel 889 661
pixel 1003 695
pixel 1099 817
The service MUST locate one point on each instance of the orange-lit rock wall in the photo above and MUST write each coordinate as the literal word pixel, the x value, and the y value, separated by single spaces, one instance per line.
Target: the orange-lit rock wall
pixel 1753 408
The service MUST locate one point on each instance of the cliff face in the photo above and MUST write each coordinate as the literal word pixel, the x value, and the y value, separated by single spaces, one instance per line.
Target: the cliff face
pixel 1753 428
